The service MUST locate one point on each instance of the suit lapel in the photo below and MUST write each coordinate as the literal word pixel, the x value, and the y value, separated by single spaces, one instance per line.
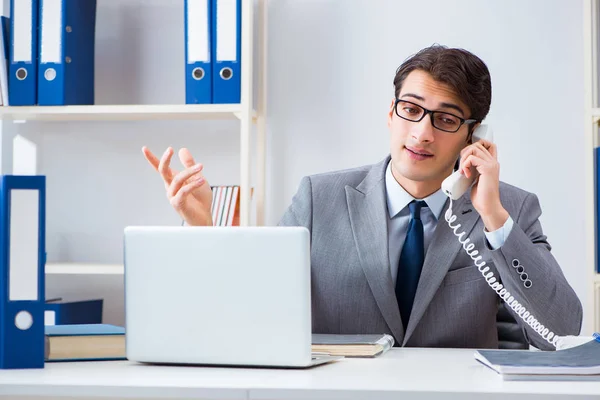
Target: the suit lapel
pixel 441 253
pixel 367 207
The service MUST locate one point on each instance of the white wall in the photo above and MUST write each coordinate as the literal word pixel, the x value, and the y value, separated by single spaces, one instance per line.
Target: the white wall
pixel 331 67
pixel 331 85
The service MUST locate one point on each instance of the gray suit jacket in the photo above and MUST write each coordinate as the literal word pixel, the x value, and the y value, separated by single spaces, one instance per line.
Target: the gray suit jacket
pixel 352 288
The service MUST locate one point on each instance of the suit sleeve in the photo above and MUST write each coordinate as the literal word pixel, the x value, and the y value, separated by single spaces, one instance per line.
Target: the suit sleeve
pixel 550 298
pixel 299 213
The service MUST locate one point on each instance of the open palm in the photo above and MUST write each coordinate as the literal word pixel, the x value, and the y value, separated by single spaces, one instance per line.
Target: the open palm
pixel 188 191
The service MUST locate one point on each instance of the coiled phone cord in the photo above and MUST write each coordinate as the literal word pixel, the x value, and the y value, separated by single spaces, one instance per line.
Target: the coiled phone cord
pixel 491 280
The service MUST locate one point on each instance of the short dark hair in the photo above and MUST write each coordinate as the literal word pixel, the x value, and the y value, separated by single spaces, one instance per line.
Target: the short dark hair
pixel 463 71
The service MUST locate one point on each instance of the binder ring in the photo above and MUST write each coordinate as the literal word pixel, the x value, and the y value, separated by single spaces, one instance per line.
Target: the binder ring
pixel 50 74
pixel 23 320
pixel 226 73
pixel 198 73
pixel 21 74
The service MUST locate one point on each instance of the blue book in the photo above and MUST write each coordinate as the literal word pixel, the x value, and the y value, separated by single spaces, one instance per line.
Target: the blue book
pixel 226 51
pixel 73 312
pixel 66 52
pixel 84 342
pixel 580 362
pixel 22 293
pixel 198 68
pixel 23 65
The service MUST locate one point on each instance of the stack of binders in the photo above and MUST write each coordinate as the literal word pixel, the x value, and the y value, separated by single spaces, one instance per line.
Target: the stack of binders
pixel 51 53
pixel 212 51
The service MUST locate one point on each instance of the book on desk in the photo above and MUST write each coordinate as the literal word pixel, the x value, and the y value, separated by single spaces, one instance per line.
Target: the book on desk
pixel 576 363
pixel 81 342
pixel 369 345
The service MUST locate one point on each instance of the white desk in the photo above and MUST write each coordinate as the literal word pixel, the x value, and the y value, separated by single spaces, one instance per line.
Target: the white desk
pixel 401 373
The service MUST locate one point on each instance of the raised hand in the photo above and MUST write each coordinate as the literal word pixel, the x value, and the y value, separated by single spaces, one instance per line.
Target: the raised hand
pixel 188 191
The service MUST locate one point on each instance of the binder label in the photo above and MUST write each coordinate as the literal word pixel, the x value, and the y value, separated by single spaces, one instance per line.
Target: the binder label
pixel 198 31
pixel 23 252
pixel 226 30
pixel 23 31
pixel 51 25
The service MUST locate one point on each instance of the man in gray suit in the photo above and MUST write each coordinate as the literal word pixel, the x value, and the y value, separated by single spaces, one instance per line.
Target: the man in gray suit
pixel 383 256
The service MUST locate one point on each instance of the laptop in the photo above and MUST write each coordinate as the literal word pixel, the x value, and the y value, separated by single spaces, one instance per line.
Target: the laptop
pixel 236 296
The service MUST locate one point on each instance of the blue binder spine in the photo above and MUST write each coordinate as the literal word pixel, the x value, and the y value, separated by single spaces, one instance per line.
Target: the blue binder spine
pixel 227 26
pixel 4 58
pixel 22 292
pixel 198 68
pixel 22 71
pixel 66 52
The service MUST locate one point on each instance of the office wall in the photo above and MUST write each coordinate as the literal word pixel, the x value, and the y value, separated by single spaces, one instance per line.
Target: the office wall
pixel 330 70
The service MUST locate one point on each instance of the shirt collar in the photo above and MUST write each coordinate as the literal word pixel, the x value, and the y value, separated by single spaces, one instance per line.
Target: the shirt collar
pixel 398 198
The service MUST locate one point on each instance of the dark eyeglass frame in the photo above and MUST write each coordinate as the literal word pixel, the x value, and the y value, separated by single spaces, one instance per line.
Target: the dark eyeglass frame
pixel 463 121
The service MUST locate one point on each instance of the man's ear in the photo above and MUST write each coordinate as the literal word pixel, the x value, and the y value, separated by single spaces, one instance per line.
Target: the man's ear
pixel 391 113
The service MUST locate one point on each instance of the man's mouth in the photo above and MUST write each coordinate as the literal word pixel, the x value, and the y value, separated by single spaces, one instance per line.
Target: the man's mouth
pixel 418 154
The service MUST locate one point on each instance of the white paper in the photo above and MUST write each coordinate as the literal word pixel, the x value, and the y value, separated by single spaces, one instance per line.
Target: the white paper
pixel 52 28
pixel 23 32
pixel 23 259
pixel 197 31
pixel 226 30
pixel 24 156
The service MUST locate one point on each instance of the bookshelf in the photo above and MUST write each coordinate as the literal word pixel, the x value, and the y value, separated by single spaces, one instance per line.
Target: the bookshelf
pixel 591 303
pixel 84 269
pixel 124 112
pixel 250 113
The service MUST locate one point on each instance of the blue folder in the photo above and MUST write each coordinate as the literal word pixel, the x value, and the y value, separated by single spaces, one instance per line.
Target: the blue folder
pixel 198 69
pixel 226 56
pixel 74 312
pixel 22 69
pixel 66 52
pixel 22 249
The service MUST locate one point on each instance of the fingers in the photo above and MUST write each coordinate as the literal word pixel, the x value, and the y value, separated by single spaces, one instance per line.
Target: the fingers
pixel 470 162
pixel 479 149
pixel 163 166
pixel 186 158
pixel 182 177
pixel 152 159
pixel 178 200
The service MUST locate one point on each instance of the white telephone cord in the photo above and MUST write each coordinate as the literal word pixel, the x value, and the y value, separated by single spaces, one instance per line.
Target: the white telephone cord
pixel 491 280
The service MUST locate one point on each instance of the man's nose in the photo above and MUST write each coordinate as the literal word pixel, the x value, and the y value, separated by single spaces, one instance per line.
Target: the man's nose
pixel 422 131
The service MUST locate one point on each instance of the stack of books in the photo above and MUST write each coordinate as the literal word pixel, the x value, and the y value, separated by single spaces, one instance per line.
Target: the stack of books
pixel 226 205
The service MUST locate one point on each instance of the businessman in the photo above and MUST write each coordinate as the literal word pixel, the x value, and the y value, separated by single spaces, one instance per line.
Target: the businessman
pixel 383 257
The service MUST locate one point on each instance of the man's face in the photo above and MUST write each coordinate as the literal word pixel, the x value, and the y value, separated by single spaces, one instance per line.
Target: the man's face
pixel 420 152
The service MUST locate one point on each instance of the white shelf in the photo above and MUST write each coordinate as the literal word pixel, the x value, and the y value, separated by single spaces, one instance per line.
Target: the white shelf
pixel 84 269
pixel 122 112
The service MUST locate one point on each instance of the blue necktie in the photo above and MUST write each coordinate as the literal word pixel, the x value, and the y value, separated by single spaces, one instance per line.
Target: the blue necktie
pixel 411 262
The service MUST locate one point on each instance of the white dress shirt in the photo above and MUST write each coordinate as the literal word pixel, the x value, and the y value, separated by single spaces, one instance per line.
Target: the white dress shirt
pixel 399 218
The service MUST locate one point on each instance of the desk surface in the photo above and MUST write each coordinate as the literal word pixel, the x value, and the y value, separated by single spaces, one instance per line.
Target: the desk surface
pixel 416 373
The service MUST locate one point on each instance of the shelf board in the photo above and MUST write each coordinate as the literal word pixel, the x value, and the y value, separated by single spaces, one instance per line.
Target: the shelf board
pixel 84 269
pixel 122 112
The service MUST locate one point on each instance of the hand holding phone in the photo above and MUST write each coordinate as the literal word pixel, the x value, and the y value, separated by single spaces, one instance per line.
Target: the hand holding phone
pixel 457 184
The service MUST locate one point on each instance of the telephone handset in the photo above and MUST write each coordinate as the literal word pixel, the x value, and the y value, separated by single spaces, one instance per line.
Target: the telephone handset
pixel 454 187
pixel 457 184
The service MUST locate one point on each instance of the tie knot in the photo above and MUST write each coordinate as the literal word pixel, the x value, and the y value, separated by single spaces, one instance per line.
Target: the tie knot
pixel 415 208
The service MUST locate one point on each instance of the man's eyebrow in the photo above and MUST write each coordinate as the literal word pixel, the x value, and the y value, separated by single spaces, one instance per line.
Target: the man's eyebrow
pixel 453 106
pixel 416 96
pixel 442 105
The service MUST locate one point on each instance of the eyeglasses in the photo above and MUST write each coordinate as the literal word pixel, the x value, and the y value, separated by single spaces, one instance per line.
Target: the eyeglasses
pixel 439 119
